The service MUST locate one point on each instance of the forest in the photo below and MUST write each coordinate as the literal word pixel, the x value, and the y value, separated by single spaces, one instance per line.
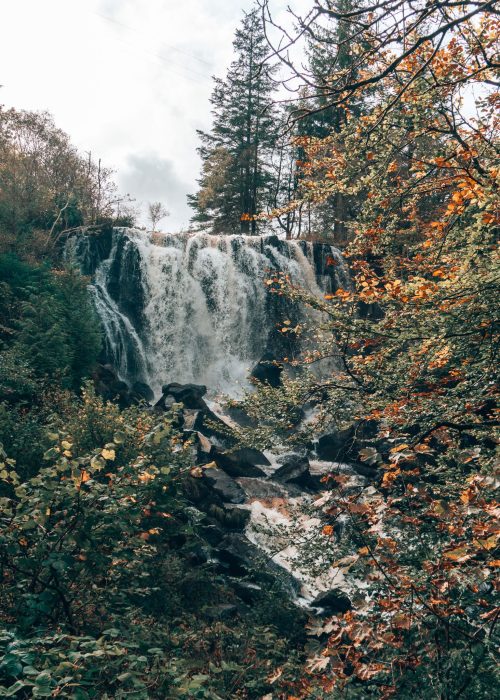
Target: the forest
pixel 330 527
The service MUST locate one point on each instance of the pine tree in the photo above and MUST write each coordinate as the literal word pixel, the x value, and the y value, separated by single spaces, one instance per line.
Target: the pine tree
pixel 236 180
pixel 331 50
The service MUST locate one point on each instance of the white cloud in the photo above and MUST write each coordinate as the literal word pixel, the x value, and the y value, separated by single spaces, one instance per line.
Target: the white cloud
pixel 129 80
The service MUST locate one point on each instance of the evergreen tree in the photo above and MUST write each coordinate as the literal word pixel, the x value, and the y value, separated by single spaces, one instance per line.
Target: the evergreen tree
pixel 331 50
pixel 236 180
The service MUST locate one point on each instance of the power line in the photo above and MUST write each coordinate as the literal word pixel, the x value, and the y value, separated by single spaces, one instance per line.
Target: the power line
pixel 168 46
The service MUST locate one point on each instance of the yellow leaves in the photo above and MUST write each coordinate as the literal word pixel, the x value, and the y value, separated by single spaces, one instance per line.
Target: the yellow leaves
pixel 441 358
pixel 423 448
pixel 440 161
pixel 108 454
pixel 273 677
pixel 363 551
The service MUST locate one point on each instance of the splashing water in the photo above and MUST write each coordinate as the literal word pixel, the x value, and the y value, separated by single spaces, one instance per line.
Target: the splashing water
pixel 194 307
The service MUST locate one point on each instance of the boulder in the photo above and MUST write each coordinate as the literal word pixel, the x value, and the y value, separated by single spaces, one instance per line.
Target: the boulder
pixel 295 470
pixel 241 462
pixel 332 602
pixel 268 370
pixel 190 395
pixel 242 558
pixel 228 490
pixel 193 419
pixel 247 592
pixel 336 446
pixel 142 392
pixel 265 489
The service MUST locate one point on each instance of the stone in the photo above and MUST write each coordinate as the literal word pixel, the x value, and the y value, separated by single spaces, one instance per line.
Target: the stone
pixel 266 489
pixel 336 446
pixel 332 602
pixel 228 490
pixel 190 395
pixel 295 470
pixel 241 462
pixel 142 392
pixel 267 371
pixel 247 592
pixel 243 558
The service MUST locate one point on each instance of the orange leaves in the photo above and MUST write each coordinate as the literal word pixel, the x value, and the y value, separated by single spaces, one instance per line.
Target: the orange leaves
pixel 390 477
pixel 327 530
pixel 459 554
pixel 400 448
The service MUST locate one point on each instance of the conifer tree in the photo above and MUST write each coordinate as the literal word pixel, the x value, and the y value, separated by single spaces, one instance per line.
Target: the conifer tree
pixel 331 50
pixel 235 182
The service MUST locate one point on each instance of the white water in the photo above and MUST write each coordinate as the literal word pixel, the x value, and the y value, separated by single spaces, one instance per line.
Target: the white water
pixel 207 312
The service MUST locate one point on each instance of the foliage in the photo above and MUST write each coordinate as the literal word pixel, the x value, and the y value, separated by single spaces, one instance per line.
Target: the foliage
pixel 99 595
pixel 47 186
pixel 415 343
pixel 49 327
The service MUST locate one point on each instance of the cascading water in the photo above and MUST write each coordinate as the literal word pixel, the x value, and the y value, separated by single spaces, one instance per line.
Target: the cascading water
pixel 194 307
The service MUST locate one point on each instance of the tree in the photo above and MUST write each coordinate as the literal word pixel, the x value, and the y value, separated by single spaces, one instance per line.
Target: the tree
pixel 235 183
pixel 415 339
pixel 47 186
pixel 156 212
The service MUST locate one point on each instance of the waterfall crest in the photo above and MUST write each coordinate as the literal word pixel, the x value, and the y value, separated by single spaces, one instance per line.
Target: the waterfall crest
pixel 194 307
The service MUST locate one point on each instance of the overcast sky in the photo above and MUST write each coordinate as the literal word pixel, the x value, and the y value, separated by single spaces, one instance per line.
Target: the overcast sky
pixel 129 80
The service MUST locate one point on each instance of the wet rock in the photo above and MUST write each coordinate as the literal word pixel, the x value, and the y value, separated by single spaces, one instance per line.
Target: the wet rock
pixel 193 419
pixel 108 385
pixel 205 447
pixel 336 446
pixel 267 370
pixel 243 558
pixel 190 395
pixel 228 490
pixel 261 489
pixel 142 392
pixel 241 462
pixel 240 416
pixel 332 602
pixel 295 470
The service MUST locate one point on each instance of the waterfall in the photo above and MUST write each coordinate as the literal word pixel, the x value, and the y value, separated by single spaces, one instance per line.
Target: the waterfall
pixel 195 307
